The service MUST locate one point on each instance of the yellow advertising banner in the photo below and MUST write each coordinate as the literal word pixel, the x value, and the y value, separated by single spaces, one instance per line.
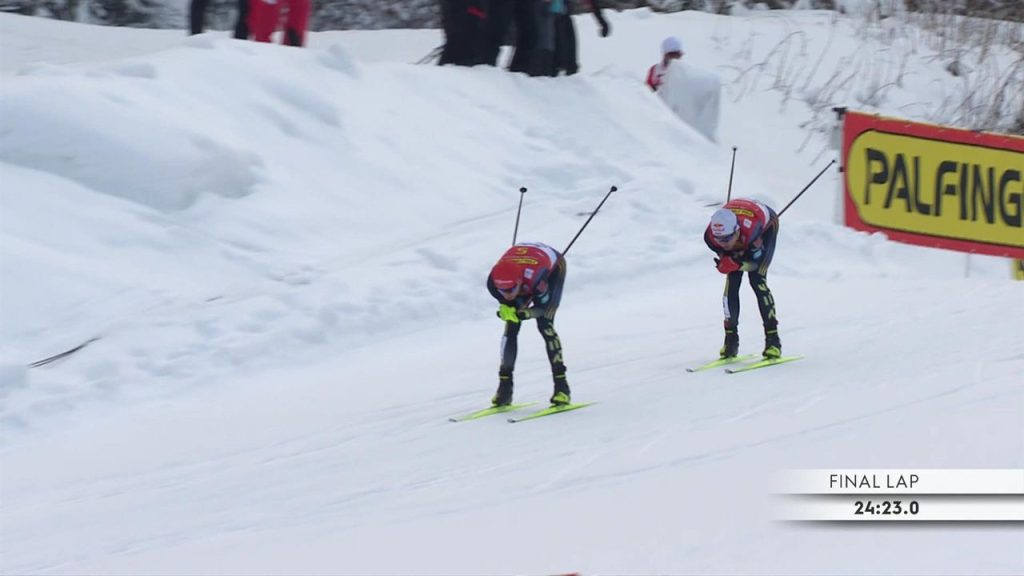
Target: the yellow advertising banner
pixel 935 186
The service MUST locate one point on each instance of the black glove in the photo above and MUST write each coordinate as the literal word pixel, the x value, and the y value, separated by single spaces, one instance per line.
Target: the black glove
pixel 529 313
pixel 606 28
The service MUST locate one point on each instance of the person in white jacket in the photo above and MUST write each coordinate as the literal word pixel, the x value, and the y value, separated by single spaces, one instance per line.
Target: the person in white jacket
pixel 691 93
pixel 671 49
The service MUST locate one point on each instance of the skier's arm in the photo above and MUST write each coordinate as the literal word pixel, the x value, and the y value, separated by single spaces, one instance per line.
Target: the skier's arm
pixel 555 282
pixel 494 290
pixel 546 303
pixel 767 248
pixel 707 240
pixel 761 248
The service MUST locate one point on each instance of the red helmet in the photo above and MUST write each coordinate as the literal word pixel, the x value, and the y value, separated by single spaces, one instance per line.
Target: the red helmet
pixel 506 275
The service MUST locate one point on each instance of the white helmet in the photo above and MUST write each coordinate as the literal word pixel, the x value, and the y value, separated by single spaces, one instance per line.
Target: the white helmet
pixel 723 223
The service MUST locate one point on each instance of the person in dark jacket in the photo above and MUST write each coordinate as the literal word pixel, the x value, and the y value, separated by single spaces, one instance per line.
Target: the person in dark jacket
pixel 565 38
pixel 501 16
pixel 242 24
pixel 527 283
pixel 465 32
pixel 197 18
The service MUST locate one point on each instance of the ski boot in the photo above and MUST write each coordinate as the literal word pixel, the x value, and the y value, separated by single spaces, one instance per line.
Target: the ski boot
pixel 732 344
pixel 562 395
pixel 772 344
pixel 503 396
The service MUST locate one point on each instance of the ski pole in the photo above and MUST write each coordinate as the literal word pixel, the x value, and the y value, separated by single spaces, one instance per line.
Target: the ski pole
pixel 592 214
pixel 809 184
pixel 728 192
pixel 436 52
pixel 522 192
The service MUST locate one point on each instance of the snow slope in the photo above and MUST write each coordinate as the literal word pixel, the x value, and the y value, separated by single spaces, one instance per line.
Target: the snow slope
pixel 281 254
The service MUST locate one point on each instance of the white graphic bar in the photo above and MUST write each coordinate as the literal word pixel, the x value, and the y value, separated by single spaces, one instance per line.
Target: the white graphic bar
pixel 884 508
pixel 901 481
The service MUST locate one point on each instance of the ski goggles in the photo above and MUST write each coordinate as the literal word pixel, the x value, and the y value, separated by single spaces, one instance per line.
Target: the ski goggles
pixel 728 238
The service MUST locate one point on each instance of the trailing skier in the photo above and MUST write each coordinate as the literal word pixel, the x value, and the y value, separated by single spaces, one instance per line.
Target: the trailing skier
pixel 527 282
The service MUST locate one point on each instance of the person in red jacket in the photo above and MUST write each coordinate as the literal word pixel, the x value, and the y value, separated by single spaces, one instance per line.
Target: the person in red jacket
pixel 527 283
pixel 742 233
pixel 671 49
pixel 265 16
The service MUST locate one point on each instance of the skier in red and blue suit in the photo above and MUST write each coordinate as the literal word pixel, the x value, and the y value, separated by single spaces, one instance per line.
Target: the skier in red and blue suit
pixel 743 233
pixel 527 282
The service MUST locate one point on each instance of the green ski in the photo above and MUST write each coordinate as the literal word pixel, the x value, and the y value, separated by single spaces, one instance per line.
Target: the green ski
pixel 763 364
pixel 552 410
pixel 489 411
pixel 721 362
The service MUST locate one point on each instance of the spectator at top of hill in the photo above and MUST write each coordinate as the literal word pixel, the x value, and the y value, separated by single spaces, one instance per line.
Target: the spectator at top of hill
pixel 691 93
pixel 545 36
pixel 197 18
pixel 465 24
pixel 565 38
pixel 265 18
pixel 554 42
pixel 671 49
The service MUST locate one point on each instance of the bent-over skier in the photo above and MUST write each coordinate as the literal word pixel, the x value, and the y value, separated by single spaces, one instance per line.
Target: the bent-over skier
pixel 527 283
pixel 743 234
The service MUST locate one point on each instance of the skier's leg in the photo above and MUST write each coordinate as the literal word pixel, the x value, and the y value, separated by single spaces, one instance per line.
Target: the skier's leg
pixel 765 301
pixel 509 351
pixel 766 305
pixel 553 347
pixel 731 309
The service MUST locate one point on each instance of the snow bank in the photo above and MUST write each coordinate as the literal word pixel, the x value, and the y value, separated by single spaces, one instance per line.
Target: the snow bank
pixel 693 95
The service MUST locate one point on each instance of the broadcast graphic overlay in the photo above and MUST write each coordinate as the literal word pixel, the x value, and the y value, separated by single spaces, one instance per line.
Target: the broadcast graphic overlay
pixel 927 495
